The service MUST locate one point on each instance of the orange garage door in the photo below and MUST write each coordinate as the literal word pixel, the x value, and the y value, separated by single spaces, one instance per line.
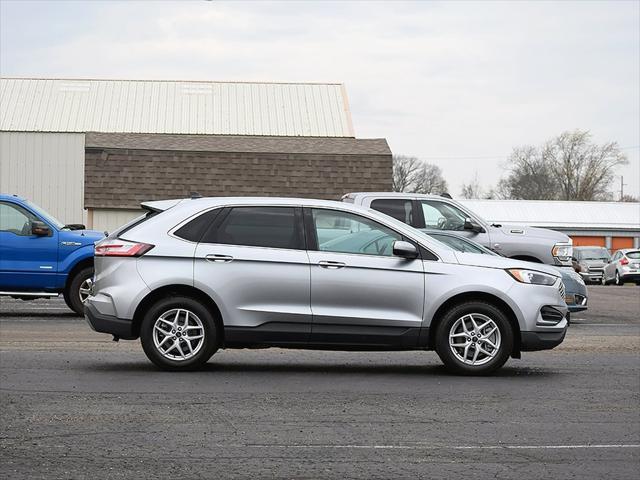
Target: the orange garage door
pixel 621 242
pixel 589 241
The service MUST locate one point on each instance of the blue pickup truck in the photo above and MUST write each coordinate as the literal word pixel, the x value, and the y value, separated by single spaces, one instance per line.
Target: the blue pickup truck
pixel 42 257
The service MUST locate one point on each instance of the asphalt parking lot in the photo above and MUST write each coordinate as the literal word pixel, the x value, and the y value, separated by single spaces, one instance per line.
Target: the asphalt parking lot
pixel 74 404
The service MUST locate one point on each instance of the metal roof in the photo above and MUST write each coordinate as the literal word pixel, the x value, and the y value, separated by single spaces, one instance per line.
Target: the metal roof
pixel 559 214
pixel 181 107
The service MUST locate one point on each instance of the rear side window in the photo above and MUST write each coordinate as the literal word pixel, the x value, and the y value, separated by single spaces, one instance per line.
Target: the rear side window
pixel 397 208
pixel 194 230
pixel 271 227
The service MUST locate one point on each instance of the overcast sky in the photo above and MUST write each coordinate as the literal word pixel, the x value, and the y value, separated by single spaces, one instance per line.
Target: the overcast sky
pixel 455 83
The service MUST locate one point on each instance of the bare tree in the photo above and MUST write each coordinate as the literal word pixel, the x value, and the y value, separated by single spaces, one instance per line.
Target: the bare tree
pixel 628 198
pixel 405 172
pixel 568 167
pixel 412 175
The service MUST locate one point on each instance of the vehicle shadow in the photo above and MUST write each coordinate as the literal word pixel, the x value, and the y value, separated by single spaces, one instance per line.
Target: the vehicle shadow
pixel 39 314
pixel 319 369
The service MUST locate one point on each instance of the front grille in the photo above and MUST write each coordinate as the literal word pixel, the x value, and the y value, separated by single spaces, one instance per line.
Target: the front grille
pixel 595 269
pixel 561 289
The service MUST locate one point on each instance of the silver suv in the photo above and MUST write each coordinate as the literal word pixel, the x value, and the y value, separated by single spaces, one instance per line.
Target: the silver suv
pixel 196 275
pixel 432 212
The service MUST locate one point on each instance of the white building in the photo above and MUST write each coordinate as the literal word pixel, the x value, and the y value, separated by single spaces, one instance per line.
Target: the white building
pixel 43 123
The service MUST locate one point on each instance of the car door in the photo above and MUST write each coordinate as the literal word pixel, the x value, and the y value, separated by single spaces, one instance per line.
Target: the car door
pixel 253 262
pixel 27 261
pixel 361 294
pixel 608 272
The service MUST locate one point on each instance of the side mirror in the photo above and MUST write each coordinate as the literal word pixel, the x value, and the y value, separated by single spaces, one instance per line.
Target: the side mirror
pixel 40 229
pixel 469 224
pixel 404 250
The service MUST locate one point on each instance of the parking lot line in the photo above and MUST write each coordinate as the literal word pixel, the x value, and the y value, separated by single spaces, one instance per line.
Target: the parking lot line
pixel 445 447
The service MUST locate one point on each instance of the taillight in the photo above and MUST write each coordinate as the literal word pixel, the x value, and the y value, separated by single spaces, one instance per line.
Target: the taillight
pixel 121 248
pixel 624 261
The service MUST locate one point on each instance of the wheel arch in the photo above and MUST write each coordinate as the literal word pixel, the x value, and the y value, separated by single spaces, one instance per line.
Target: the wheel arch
pixel 175 290
pixel 476 296
pixel 527 258
pixel 81 265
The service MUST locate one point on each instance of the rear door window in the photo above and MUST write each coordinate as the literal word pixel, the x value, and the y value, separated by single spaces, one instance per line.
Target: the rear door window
pixel 270 227
pixel 399 209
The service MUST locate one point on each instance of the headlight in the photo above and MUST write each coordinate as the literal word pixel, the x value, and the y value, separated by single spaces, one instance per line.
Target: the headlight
pixel 562 250
pixel 532 277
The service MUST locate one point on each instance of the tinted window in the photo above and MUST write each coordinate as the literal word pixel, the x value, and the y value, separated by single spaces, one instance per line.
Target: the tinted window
pixel 399 209
pixel 16 219
pixel 194 230
pixel 273 227
pixel 442 216
pixel 348 233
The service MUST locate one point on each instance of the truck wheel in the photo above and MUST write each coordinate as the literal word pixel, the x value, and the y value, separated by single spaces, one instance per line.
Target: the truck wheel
pixel 78 290
pixel 474 338
pixel 179 333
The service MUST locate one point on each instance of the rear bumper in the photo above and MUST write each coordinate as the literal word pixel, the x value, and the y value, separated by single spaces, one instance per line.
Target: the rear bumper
pixel 630 277
pixel 532 341
pixel 101 323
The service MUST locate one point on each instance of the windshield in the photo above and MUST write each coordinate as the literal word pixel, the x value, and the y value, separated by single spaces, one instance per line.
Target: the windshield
pixel 460 244
pixel 633 255
pixel 592 254
pixel 46 216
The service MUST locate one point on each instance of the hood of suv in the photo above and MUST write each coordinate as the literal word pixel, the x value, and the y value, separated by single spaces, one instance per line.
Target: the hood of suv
pixel 496 261
pixel 532 232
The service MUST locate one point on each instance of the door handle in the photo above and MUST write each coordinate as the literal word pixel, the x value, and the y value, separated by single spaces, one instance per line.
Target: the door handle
pixel 218 258
pixel 331 264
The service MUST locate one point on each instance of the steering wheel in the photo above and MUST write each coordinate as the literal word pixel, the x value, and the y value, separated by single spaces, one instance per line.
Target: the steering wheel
pixel 442 223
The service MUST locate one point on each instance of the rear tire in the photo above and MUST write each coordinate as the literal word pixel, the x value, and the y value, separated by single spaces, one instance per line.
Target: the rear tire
pixel 619 282
pixel 74 293
pixel 179 333
pixel 459 326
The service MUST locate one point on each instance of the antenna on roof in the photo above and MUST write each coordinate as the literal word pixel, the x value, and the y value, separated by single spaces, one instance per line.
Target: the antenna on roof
pixel 445 195
pixel 195 195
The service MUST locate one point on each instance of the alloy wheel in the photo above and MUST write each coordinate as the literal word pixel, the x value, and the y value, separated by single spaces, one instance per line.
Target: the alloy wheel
pixel 474 339
pixel 178 334
pixel 85 289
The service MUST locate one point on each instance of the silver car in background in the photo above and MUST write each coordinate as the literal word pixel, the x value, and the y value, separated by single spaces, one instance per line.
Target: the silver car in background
pixel 591 262
pixel 623 267
pixel 196 275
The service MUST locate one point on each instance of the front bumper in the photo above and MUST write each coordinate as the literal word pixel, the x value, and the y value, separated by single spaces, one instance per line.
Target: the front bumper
pixel 102 323
pixel 595 276
pixel 532 341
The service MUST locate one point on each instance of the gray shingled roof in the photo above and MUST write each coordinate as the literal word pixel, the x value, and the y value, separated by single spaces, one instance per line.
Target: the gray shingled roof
pixel 233 143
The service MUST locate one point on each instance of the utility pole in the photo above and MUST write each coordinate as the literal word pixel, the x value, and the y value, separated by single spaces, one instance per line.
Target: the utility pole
pixel 622 184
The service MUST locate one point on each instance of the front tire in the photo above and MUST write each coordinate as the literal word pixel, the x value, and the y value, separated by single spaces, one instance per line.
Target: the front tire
pixel 78 290
pixel 474 338
pixel 179 333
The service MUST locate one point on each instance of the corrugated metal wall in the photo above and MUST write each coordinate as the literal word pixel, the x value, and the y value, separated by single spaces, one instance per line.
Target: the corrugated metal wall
pixel 46 168
pixel 110 219
pixel 139 106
